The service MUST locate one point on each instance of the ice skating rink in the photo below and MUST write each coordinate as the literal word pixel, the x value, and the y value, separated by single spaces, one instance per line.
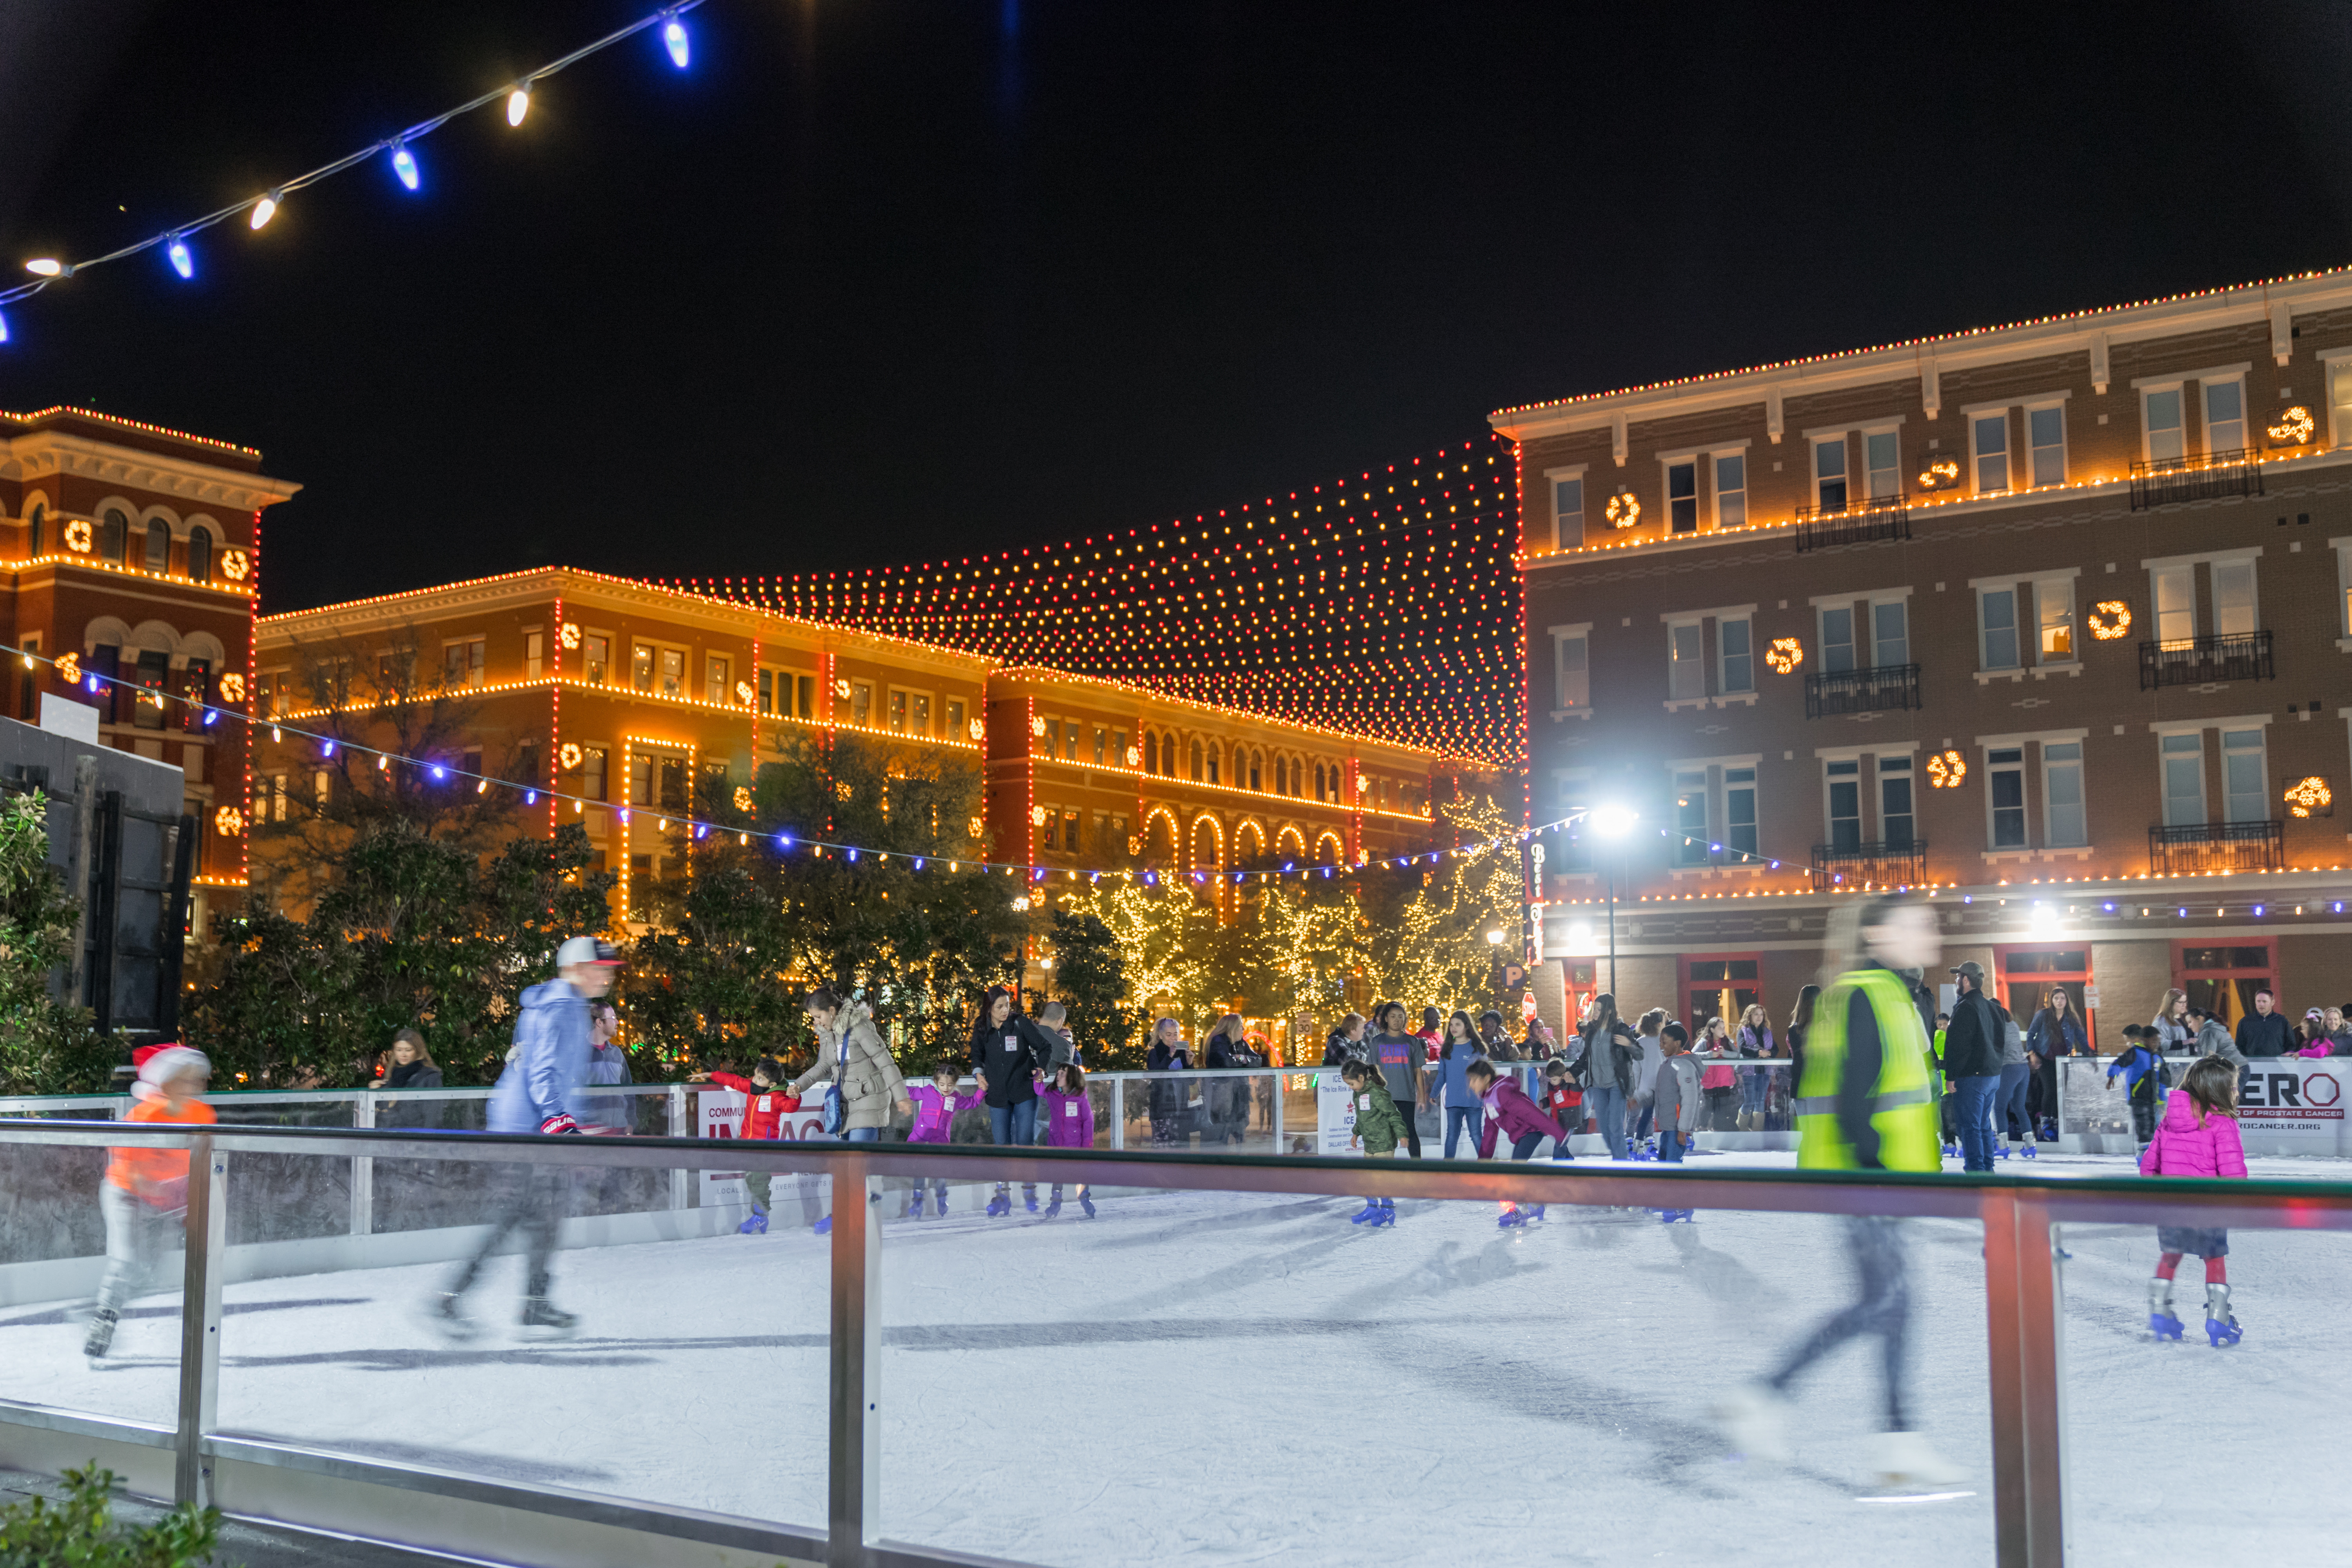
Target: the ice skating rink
pixel 1238 1378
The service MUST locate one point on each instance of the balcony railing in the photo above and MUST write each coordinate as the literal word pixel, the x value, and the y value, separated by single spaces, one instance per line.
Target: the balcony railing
pixel 2238 472
pixel 2195 661
pixel 2195 847
pixel 1849 865
pixel 1818 528
pixel 1874 689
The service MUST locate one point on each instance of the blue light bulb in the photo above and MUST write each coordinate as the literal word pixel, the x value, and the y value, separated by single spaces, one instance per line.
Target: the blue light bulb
pixel 674 40
pixel 183 259
pixel 439 774
pixel 404 164
pixel 3 329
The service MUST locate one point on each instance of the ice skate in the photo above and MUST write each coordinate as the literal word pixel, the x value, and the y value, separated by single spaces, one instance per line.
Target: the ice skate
pixel 914 1206
pixel 1088 1204
pixel 1029 1199
pixel 1054 1208
pixel 1535 1214
pixel 1905 1461
pixel 1950 1150
pixel 1511 1218
pixel 1754 1422
pixel 2221 1328
pixel 2001 1151
pixel 823 1226
pixel 2026 1150
pixel 448 1316
pixel 101 1338
pixel 543 1319
pixel 1372 1212
pixel 2161 1322
pixel 1001 1204
pixel 1387 1214
pixel 756 1224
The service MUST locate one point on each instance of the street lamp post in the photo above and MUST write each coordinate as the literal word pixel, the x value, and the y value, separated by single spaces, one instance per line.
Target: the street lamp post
pixel 1613 823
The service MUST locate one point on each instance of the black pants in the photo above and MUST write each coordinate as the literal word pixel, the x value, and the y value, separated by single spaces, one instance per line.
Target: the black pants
pixel 1405 1109
pixel 2143 1121
pixel 1721 1114
pixel 531 1199
pixel 1883 1309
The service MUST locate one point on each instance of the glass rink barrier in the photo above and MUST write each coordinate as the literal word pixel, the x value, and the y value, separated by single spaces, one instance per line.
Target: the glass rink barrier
pixel 570 1350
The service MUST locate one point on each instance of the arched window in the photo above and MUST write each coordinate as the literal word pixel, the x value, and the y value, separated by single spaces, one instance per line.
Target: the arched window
pixel 200 555
pixel 1196 762
pixel 1257 762
pixel 159 546
pixel 114 544
pixel 1215 752
pixel 1318 781
pixel 1151 754
pixel 38 520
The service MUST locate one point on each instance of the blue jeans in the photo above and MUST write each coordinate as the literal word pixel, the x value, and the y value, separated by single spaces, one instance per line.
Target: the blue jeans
pixel 1015 1123
pixel 1608 1107
pixel 1460 1119
pixel 2009 1097
pixel 1974 1114
pixel 1649 1115
pixel 862 1135
pixel 1670 1146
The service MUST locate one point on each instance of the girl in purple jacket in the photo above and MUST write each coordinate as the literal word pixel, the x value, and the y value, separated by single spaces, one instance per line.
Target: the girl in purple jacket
pixel 1508 1109
pixel 2199 1137
pixel 1069 1124
pixel 936 1105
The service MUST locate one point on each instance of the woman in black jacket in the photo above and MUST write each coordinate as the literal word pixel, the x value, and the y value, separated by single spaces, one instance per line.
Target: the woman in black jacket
pixel 1009 1055
pixel 1801 1019
pixel 1229 1099
pixel 1169 1116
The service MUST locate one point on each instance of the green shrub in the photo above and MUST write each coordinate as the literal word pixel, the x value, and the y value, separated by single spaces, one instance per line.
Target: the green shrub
pixel 74 1531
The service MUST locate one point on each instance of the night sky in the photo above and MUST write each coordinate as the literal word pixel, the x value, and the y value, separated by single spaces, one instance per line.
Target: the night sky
pixel 887 280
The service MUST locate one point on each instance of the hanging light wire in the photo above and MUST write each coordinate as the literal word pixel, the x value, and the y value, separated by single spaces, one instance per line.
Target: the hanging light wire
pixel 261 208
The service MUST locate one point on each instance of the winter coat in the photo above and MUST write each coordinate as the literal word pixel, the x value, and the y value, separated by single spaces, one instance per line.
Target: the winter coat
pixel 1008 1054
pixel 2143 1069
pixel 2012 1039
pixel 1167 1096
pixel 1379 1123
pixel 2182 1148
pixel 935 1113
pixel 609 1064
pixel 1602 1067
pixel 2173 1036
pixel 1069 1119
pixel 410 1075
pixel 1458 1094
pixel 548 1067
pixel 2052 1035
pixel 1334 1050
pixel 1508 1109
pixel 2214 1040
pixel 1974 1040
pixel 1716 1075
pixel 1654 1051
pixel 1232 1096
pixel 853 1055
pixel 1674 1096
pixel 763 1109
pixel 2263 1035
pixel 159 1177
pixel 2339 1041
pixel 1563 1102
pixel 1754 1042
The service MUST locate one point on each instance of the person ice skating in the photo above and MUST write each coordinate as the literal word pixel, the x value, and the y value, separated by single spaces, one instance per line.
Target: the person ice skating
pixel 2010 1115
pixel 539 1092
pixel 1607 1065
pixel 936 1105
pixel 1972 1064
pixel 1508 1109
pixel 764 1109
pixel 851 1057
pixel 1010 1056
pixel 1380 1128
pixel 1563 1102
pixel 1645 1083
pixel 144 1197
pixel 608 1063
pixel 1800 1024
pixel 1397 1056
pixel 1454 1054
pixel 2057 1031
pixel 1069 1124
pixel 2213 1038
pixel 1676 1094
pixel 2198 1137
pixel 2142 1064
pixel 1863 1105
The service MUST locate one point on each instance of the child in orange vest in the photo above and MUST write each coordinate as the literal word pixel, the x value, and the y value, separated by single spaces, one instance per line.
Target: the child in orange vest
pixel 145 1194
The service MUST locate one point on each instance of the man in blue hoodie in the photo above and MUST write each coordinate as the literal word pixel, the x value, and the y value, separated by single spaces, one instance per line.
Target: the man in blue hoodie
pixel 540 1091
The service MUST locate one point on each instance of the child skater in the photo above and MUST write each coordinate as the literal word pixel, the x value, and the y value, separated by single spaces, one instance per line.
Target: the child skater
pixel 1508 1109
pixel 1380 1128
pixel 1563 1102
pixel 768 1097
pixel 2199 1137
pixel 1070 1124
pixel 936 1106
pixel 2142 1064
pixel 145 1194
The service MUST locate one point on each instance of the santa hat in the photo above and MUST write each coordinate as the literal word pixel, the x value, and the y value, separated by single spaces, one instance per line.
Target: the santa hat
pixel 160 1064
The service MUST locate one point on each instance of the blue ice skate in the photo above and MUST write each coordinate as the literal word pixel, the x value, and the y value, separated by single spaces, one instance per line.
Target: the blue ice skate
pixel 1054 1208
pixel 2221 1328
pixel 824 1226
pixel 1510 1219
pixel 1950 1150
pixel 1387 1214
pixel 2164 1325
pixel 2026 1150
pixel 755 1225
pixel 1371 1215
pixel 914 1206
pixel 1001 1204
pixel 2001 1151
pixel 1029 1198
pixel 1087 1204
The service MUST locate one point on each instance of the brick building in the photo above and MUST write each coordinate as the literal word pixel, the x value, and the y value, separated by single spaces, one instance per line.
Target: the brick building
pixel 136 549
pixel 2052 619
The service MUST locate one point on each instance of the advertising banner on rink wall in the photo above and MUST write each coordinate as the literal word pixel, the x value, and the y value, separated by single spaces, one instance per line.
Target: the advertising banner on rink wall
pixel 2286 1105
pixel 722 1117
pixel 1334 1113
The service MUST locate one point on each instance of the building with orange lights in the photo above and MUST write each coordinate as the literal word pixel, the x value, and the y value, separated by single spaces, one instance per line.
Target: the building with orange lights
pixel 133 555
pixel 2053 619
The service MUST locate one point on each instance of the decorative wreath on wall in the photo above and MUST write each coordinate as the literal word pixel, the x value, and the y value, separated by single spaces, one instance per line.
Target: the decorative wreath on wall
pixel 228 822
pixel 570 635
pixel 1784 654
pixel 2294 427
pixel 1945 770
pixel 2109 619
pixel 1036 726
pixel 976 729
pixel 1622 510
pixel 841 687
pixel 742 798
pixel 232 687
pixel 1135 757
pixel 1036 816
pixel 569 756
pixel 69 669
pixel 2309 796
pixel 1940 475
pixel 744 693
pixel 78 535
pixel 237 565
pixel 973 828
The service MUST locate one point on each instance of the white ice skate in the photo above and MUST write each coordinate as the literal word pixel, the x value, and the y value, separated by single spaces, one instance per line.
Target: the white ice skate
pixel 1754 1422
pixel 1905 1462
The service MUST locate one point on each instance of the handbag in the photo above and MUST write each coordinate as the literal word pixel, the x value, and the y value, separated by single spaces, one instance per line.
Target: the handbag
pixel 833 1110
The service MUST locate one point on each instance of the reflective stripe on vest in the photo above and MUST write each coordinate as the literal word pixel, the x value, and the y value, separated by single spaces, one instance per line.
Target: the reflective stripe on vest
pixel 1902 1102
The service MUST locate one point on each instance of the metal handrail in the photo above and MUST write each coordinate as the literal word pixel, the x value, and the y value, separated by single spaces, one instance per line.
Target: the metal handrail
pixel 2163 481
pixel 2193 661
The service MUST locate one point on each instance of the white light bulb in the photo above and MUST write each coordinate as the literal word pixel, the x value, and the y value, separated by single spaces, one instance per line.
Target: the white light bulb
pixel 518 104
pixel 673 39
pixel 264 210
pixel 44 266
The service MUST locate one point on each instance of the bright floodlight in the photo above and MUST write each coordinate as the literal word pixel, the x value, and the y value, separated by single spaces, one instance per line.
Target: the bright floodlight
pixel 1613 821
pixel 1495 937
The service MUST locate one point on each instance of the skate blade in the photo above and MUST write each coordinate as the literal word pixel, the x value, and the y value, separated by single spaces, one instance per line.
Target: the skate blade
pixel 1900 1494
pixel 543 1334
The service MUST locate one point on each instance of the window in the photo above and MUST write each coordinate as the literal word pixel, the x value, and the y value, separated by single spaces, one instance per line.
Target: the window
pixel 2225 416
pixel 1837 639
pixel 641 667
pixel 152 673
pixel 1997 620
pixel 1989 432
pixel 37 524
pixel 2045 440
pixel 1102 744
pixel 1070 735
pixel 1574 691
pixel 2234 597
pixel 673 784
pixel 2184 779
pixel 861 701
pixel 1118 749
pixel 1731 489
pixel 534 654
pixel 717 681
pixel 527 762
pixel 1881 455
pixel 2161 414
pixel 1894 819
pixel 196 691
pixel 1568 512
pixel 804 698
pixel 1256 763
pixel 2339 398
pixel 673 672
pixel 1829 474
pixel 1734 647
pixel 200 555
pixel 1070 831
pixel 955 720
pixel 114 539
pixel 591 772
pixel 1318 781
pixel 1739 810
pixel 595 657
pixel 899 712
pixel 274 799
pixel 768 690
pixel 323 787
pixel 159 546
pixel 1685 672
pixel 1690 819
pixel 1681 496
pixel 2241 776
pixel 2176 607
pixel 461 663
pixel 2054 605
pixel 1844 780
pixel 1196 762
pixel 1051 837
pixel 2005 795
pixel 2061 794
pixel 1572 851
pixel 1891 629
pixel 1215 752
pixel 641 779
pixel 1152 753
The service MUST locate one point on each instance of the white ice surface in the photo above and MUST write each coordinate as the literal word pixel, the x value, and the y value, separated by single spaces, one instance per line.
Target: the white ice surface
pixel 1227 1378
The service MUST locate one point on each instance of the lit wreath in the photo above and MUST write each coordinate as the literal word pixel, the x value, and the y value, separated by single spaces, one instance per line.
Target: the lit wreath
pixel 976 729
pixel 1622 510
pixel 237 565
pixel 1135 757
pixel 2294 427
pixel 232 687
pixel 742 798
pixel 78 535
pixel 1036 816
pixel 2109 619
pixel 569 756
pixel 973 828
pixel 1784 654
pixel 570 635
pixel 1945 770
pixel 228 822
pixel 1941 474
pixel 69 668
pixel 2309 796
pixel 744 693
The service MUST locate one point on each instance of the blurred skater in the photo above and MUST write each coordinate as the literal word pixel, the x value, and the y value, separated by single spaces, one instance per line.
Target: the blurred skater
pixel 144 1197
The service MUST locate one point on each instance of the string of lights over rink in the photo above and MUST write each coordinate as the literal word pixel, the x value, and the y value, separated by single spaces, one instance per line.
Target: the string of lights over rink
pixel 227 820
pixel 1386 604
pixel 397 149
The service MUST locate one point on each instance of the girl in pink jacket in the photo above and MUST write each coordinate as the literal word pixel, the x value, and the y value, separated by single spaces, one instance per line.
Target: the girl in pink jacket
pixel 1069 1116
pixel 2198 1137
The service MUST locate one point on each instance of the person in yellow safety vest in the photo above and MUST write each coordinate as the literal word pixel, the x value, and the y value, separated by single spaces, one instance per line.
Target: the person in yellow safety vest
pixel 1866 1102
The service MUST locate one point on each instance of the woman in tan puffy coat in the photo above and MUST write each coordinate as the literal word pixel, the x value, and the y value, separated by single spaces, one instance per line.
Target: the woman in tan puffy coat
pixel 850 1051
